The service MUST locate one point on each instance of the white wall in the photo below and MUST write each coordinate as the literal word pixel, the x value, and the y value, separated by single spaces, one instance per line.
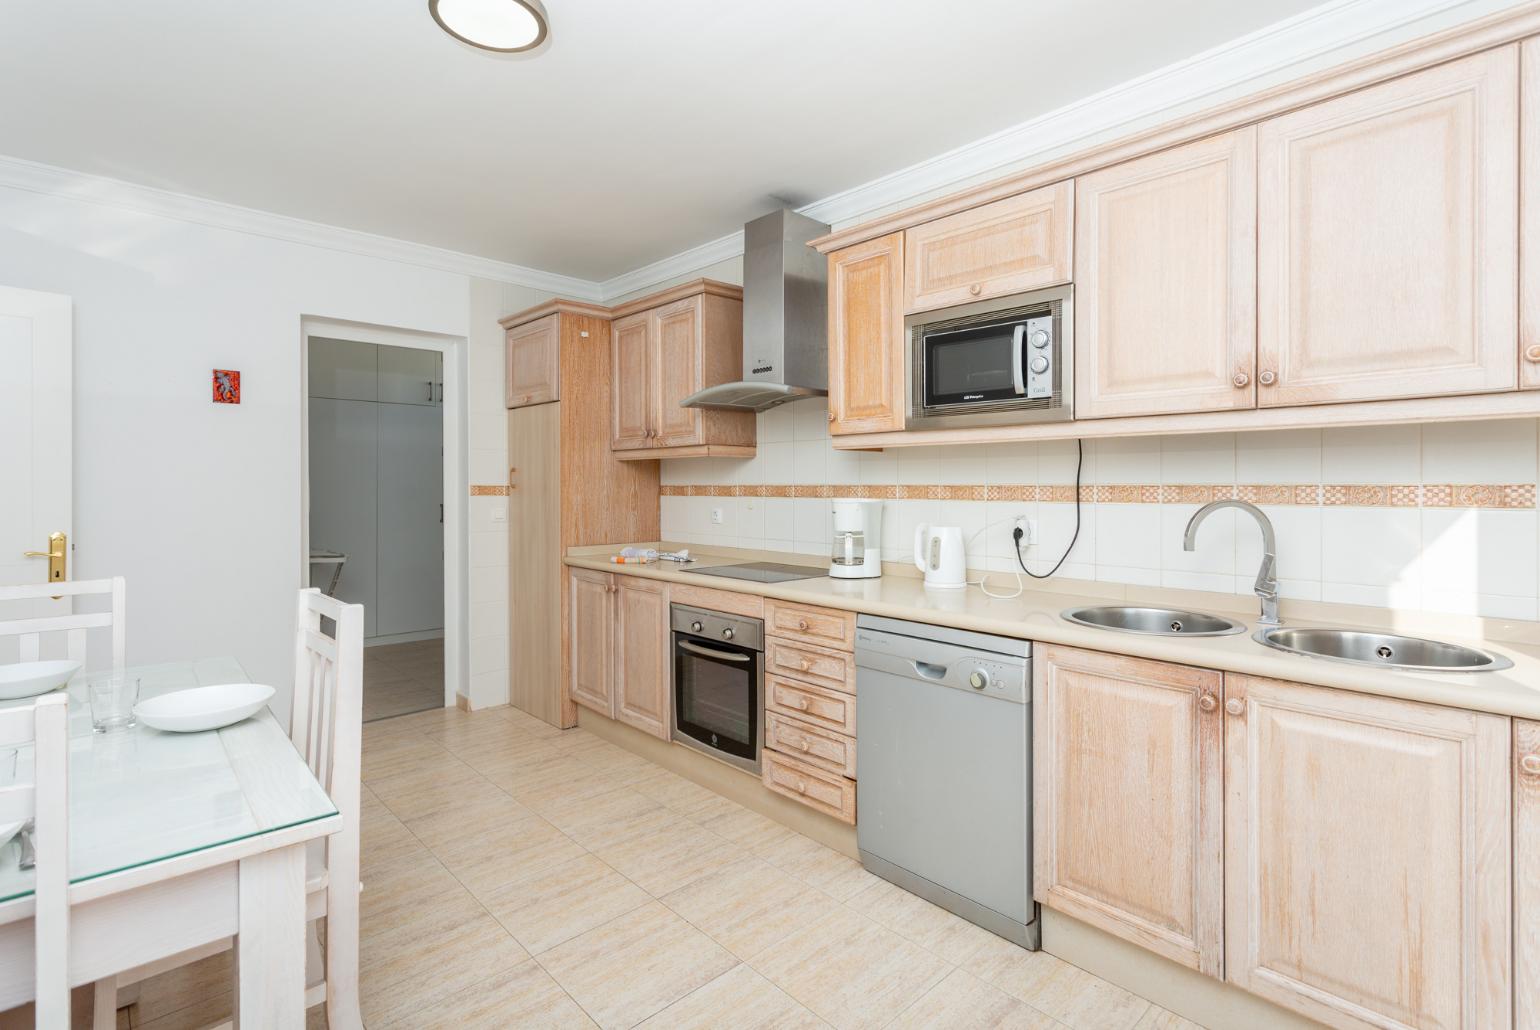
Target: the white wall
pixel 198 504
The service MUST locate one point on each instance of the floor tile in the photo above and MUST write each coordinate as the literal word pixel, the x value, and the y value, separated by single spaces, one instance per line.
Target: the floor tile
pixel 1158 1018
pixel 635 966
pixel 817 865
pixel 682 795
pixel 664 859
pixel 932 928
pixel 560 901
pixel 964 1002
pixel 429 962
pixel 749 905
pixel 1065 992
pixel 524 996
pixel 740 998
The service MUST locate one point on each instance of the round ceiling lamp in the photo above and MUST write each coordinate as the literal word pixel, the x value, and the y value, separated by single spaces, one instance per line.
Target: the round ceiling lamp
pixel 502 26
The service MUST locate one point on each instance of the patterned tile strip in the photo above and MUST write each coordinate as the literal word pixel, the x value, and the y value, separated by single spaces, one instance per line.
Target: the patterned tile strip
pixel 484 490
pixel 1367 495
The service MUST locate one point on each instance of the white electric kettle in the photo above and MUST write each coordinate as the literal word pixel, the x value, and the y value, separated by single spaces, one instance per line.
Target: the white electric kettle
pixel 938 552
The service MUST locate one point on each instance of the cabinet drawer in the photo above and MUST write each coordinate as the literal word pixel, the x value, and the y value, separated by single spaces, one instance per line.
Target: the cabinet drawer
pixel 829 709
pixel 806 624
pixel 811 663
pixel 732 602
pixel 823 748
pixel 826 792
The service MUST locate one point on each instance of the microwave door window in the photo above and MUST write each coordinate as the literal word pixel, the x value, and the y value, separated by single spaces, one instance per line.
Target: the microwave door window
pixel 969 365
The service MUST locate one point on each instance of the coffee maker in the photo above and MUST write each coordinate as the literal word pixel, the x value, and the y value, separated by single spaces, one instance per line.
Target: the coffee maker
pixel 857 538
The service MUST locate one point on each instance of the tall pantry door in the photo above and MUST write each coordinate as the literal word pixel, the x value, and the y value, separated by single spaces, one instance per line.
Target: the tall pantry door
pixel 411 519
pixel 534 560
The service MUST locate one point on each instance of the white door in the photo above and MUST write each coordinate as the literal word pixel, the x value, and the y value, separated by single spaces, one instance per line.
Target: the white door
pixel 344 447
pixel 411 375
pixel 410 596
pixel 35 442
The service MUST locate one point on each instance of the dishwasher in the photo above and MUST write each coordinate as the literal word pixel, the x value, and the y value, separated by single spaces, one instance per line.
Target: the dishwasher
pixel 943 759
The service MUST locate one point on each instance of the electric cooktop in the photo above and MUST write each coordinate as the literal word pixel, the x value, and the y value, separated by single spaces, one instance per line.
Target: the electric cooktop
pixel 762 572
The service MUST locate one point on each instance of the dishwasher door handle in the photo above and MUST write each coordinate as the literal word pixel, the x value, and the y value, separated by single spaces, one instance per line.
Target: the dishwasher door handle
pixel 929 670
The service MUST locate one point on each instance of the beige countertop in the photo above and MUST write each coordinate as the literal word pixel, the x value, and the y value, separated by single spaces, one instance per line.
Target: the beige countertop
pixel 1035 616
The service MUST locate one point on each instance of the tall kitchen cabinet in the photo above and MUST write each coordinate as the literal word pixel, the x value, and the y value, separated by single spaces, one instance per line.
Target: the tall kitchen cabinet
pixel 565 487
pixel 666 347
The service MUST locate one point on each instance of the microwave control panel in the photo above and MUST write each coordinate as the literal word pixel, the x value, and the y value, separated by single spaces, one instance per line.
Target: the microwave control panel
pixel 1039 356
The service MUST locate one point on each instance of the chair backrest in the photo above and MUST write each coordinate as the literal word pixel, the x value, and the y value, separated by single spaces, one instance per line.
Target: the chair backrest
pixel 326 722
pixel 45 800
pixel 73 626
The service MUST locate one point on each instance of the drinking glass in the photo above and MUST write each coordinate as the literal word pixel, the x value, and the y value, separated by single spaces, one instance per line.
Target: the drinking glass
pixel 112 702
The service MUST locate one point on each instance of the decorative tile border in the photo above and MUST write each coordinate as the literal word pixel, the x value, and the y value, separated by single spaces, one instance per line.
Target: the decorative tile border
pixel 1368 495
pixel 485 490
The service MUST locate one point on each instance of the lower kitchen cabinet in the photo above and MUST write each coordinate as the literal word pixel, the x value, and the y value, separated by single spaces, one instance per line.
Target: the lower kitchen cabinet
pixel 591 639
pixel 1128 820
pixel 619 649
pixel 1368 851
pixel 1526 873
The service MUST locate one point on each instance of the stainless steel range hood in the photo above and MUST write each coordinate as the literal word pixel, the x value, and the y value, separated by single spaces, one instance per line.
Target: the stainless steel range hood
pixel 785 306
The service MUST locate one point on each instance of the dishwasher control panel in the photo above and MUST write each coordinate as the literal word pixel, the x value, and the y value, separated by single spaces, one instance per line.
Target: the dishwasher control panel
pixel 945 664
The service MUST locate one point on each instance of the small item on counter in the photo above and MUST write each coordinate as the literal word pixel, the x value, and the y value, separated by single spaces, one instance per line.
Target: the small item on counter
pixel 647 555
pixel 630 559
pixel 681 555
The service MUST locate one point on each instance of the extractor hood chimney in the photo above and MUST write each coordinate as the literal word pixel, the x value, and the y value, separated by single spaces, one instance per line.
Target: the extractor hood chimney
pixel 785 327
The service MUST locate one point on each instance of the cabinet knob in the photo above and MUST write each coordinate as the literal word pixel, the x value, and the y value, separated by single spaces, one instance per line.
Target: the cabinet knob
pixel 1530 765
pixel 1235 706
pixel 976 289
pixel 1267 378
pixel 803 745
pixel 1532 352
pixel 1241 380
pixel 801 704
pixel 831 416
pixel 802 625
pixel 1207 703
pixel 801 786
pixel 804 665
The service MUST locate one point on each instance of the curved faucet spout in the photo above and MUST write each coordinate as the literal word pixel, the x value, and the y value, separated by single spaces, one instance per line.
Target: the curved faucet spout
pixel 1266 586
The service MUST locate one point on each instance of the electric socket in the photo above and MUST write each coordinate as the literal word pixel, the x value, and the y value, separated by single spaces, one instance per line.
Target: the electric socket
pixel 716 516
pixel 1028 529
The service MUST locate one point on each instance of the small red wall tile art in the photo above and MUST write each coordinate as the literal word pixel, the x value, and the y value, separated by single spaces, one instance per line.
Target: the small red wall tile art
pixel 227 386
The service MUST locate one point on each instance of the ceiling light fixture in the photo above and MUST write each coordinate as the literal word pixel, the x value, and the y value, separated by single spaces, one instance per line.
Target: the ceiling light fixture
pixel 503 26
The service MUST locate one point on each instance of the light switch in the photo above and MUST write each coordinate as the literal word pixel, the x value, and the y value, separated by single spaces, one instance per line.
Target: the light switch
pixel 716 516
pixel 499 514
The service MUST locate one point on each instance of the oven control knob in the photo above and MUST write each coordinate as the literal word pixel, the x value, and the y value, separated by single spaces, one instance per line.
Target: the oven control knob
pixel 1040 338
pixel 727 634
pixel 1038 365
pixel 696 627
pixel 979 680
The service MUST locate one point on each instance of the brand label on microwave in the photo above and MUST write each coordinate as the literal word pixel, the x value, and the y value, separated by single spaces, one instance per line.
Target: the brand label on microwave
pixel 973 396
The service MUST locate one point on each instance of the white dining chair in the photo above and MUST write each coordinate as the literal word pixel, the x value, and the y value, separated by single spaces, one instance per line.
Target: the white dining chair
pixel 326 726
pixel 31 627
pixel 45 801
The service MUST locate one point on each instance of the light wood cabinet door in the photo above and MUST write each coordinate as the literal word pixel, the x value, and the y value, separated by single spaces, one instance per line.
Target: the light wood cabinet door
pixel 1019 243
pixel 591 639
pixel 1128 825
pixel 1367 858
pixel 631 342
pixel 533 364
pixel 1529 221
pixel 677 329
pixel 866 337
pixel 1386 250
pixel 642 655
pixel 1165 270
pixel 1526 873
pixel 534 560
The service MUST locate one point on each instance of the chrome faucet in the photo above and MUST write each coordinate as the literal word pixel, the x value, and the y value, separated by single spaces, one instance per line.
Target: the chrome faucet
pixel 1267 574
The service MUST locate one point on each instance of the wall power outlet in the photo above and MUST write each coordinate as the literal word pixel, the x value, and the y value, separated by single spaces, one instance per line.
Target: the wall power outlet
pixel 1028 529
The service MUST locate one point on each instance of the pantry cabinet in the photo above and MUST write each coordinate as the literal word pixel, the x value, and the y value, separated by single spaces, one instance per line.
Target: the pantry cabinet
pixel 642 655
pixel 532 364
pixel 665 348
pixel 866 337
pixel 1529 221
pixel 591 639
pixel 1386 251
pixel 1165 276
pixel 1367 856
pixel 1526 873
pixel 1128 821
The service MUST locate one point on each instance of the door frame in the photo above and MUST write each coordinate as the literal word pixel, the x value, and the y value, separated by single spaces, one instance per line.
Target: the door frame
pixel 455 486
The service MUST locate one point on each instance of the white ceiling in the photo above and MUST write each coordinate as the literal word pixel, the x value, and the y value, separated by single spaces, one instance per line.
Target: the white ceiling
pixel 644 128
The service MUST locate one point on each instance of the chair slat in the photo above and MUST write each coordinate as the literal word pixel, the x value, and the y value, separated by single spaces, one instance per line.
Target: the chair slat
pixel 321 644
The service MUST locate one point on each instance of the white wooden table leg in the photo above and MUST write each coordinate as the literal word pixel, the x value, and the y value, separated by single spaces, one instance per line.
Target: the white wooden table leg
pixel 104 1012
pixel 270 947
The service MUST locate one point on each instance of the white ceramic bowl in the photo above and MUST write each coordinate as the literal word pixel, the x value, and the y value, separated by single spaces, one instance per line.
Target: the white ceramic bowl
pixel 203 708
pixel 28 679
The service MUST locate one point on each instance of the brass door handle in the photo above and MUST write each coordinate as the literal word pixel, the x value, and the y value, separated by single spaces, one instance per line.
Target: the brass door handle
pixel 58 549
pixel 42 554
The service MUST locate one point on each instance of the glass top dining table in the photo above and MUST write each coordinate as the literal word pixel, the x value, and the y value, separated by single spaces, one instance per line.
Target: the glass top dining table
pixel 139 795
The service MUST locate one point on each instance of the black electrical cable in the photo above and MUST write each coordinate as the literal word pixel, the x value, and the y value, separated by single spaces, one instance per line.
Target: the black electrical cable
pixel 1016 533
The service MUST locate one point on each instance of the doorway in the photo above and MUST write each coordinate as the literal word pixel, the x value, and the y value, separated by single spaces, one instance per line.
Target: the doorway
pixel 379 526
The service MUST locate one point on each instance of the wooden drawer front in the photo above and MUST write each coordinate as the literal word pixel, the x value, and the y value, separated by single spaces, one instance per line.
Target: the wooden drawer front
pixel 827 626
pixel 832 751
pixel 750 605
pixel 1020 243
pixel 830 709
pixel 813 664
pixel 826 792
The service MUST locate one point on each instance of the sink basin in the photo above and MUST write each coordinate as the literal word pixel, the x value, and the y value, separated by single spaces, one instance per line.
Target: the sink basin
pixel 1387 650
pixel 1163 622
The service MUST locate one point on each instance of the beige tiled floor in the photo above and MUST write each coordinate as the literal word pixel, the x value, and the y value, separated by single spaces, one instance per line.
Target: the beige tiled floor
pixel 515 875
pixel 403 678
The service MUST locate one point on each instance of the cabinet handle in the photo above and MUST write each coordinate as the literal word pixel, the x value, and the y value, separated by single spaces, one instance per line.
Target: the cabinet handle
pixel 801 786
pixel 430 391
pixel 1207 703
pixel 1267 378
pixel 1529 765
pixel 1241 380
pixel 1235 706
pixel 1532 352
pixel 804 665
pixel 803 745
pixel 831 416
pixel 976 289
pixel 801 704
pixel 802 625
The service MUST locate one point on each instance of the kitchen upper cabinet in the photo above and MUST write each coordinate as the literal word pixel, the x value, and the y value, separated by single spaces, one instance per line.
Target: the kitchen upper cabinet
pixel 1526 873
pixel 1529 221
pixel 1128 828
pixel 1165 277
pixel 410 375
pixel 666 347
pixel 1020 243
pixel 866 337
pixel 1367 856
pixel 642 654
pixel 631 390
pixel 533 362
pixel 1386 251
pixel 591 639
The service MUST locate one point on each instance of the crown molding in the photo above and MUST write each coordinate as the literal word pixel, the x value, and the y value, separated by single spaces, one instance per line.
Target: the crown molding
pixel 676 266
pixel 33 177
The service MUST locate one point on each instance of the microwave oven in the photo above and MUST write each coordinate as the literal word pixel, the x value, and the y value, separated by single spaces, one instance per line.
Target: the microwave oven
pixel 995 362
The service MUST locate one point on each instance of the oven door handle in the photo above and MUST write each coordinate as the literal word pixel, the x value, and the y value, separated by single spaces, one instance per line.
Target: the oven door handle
pixel 726 656
pixel 1018 339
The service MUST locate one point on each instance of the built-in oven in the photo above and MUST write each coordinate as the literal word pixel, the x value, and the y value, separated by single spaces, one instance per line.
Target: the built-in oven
pixel 719 684
pixel 995 362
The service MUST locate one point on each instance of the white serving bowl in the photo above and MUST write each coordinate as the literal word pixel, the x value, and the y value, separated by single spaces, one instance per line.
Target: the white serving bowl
pixel 29 679
pixel 203 708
